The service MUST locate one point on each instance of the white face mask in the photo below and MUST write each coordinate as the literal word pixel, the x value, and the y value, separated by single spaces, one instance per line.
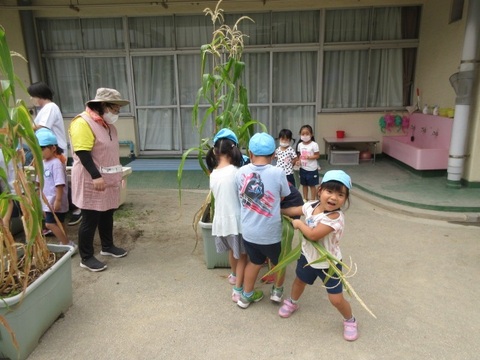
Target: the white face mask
pixel 305 138
pixel 110 118
pixel 284 144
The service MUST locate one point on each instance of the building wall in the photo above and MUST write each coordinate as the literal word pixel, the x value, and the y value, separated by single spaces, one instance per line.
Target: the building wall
pixel 438 58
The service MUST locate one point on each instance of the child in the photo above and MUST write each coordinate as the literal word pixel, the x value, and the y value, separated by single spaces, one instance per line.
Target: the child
pixel 286 155
pixel 55 186
pixel 293 200
pixel 261 187
pixel 224 159
pixel 308 151
pixel 324 221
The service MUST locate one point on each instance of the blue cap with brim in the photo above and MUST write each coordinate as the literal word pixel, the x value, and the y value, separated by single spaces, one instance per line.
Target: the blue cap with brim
pixel 225 134
pixel 46 137
pixel 262 144
pixel 338 175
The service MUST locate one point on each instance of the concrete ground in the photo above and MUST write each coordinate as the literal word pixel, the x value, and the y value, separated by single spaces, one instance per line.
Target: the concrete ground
pixel 419 276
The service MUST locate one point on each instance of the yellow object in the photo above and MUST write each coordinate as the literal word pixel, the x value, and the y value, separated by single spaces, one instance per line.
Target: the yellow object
pixel 450 112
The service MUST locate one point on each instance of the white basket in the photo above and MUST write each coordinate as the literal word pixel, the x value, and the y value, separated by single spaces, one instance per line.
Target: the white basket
pixel 344 157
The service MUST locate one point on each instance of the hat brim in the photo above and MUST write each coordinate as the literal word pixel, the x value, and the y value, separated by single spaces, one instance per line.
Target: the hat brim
pixel 116 102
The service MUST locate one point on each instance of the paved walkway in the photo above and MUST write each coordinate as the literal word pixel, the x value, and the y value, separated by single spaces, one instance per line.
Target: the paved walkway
pixel 418 276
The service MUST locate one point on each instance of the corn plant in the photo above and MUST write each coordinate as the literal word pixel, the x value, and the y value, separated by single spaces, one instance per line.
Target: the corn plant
pixel 221 95
pixel 221 90
pixel 289 255
pixel 20 264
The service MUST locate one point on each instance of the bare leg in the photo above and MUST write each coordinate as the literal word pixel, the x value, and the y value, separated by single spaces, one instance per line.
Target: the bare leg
pixel 240 270
pixel 305 191
pixel 313 192
pixel 251 273
pixel 59 232
pixel 298 287
pixel 233 262
pixel 342 305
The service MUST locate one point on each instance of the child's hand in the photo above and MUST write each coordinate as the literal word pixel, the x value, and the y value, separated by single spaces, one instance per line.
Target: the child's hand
pixel 296 223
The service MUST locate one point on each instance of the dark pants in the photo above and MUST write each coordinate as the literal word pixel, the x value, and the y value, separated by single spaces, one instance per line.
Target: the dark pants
pixel 91 220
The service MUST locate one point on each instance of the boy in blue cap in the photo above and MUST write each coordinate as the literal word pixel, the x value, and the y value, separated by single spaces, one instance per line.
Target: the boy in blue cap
pixel 55 187
pixel 261 188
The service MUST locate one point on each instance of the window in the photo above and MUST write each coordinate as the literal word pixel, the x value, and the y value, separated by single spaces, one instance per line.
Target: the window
pixel 369 58
pixel 296 66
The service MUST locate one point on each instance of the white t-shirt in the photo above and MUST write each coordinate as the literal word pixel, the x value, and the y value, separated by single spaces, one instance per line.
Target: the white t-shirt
pixel 226 219
pixel 305 151
pixel 331 242
pixel 51 117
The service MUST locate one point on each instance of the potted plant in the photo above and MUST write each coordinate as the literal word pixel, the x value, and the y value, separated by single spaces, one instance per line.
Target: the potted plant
pixel 224 101
pixel 35 278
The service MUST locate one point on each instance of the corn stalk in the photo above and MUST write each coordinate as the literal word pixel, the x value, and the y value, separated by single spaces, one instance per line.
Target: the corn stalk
pixel 289 255
pixel 20 264
pixel 221 93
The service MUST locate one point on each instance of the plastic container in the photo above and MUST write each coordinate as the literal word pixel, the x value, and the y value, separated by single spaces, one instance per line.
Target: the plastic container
pixel 340 134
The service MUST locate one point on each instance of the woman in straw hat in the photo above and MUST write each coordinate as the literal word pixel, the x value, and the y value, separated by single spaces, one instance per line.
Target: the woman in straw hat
pixel 97 174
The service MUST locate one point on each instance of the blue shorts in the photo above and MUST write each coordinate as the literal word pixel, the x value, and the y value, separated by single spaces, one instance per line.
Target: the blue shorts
pixel 309 274
pixel 309 178
pixel 258 254
pixel 50 219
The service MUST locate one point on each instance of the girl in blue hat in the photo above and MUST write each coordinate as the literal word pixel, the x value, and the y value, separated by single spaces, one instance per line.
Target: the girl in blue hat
pixel 223 160
pixel 324 222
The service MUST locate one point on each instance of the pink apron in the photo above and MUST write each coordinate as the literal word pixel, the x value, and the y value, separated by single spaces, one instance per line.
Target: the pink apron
pixel 105 154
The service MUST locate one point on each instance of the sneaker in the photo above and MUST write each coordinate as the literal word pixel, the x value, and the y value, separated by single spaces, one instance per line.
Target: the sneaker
pixel 93 264
pixel 75 219
pixel 276 294
pixel 232 279
pixel 114 251
pixel 245 302
pixel 350 332
pixel 47 232
pixel 269 279
pixel 287 309
pixel 236 296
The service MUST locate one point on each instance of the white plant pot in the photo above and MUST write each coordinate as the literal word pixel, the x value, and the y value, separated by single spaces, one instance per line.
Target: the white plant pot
pixel 212 258
pixel 29 315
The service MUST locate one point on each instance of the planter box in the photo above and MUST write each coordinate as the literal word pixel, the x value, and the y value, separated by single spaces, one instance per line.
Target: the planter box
pixel 212 258
pixel 29 315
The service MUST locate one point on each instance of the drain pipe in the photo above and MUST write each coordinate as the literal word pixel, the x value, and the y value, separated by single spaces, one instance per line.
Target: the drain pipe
pixel 132 147
pixel 462 82
pixel 29 36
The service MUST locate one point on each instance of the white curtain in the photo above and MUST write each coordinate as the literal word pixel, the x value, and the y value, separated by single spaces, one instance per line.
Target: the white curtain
pixel 362 78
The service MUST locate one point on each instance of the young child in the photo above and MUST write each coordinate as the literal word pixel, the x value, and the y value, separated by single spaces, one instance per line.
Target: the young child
pixel 324 222
pixel 308 151
pixel 261 187
pixel 223 160
pixel 286 155
pixel 55 186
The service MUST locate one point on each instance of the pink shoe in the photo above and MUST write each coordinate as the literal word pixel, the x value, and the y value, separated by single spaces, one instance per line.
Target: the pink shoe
pixel 287 309
pixel 232 279
pixel 236 296
pixel 350 332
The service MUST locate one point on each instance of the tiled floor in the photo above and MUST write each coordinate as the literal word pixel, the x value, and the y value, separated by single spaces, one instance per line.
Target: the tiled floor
pixel 385 179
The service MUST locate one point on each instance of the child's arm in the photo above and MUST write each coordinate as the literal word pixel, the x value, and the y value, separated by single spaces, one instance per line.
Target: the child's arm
pixel 58 197
pixel 293 211
pixel 316 233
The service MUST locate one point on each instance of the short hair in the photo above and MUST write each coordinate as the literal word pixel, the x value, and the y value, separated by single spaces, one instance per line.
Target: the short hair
pixel 40 90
